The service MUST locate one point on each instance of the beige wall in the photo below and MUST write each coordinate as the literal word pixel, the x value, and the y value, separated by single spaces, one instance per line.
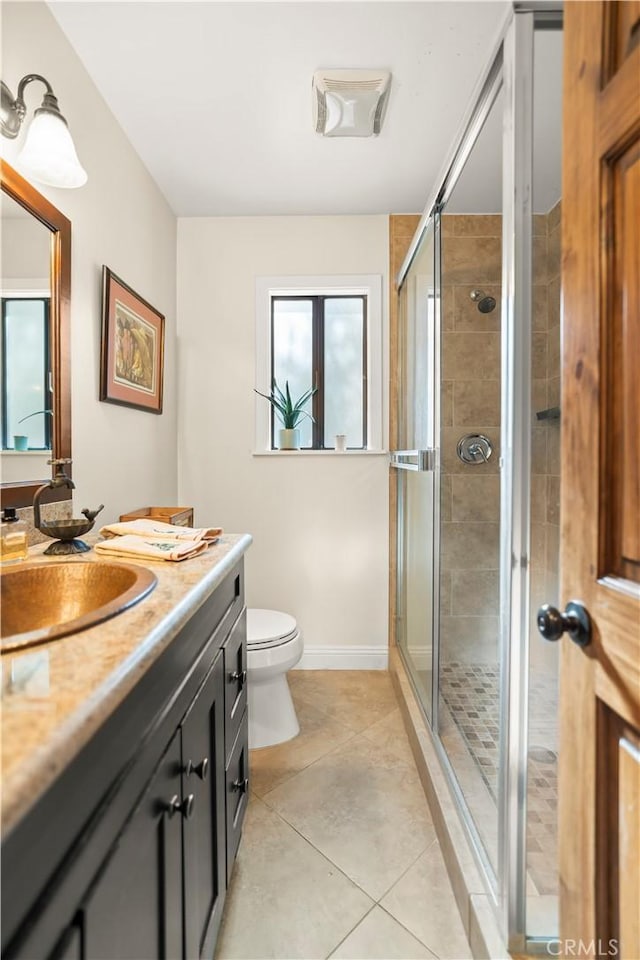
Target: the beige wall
pixel 123 458
pixel 319 521
pixel 470 502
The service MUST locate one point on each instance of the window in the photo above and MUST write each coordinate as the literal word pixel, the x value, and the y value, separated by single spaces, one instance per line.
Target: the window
pixel 25 371
pixel 322 341
pixel 323 332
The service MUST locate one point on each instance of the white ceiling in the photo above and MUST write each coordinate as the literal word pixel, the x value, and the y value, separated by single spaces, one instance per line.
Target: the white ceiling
pixel 479 188
pixel 216 96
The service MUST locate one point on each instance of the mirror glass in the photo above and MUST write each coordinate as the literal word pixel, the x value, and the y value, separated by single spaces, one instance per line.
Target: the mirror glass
pixel 35 348
pixel 25 371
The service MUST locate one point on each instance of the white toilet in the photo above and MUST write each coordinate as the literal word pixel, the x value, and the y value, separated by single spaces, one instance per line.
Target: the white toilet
pixel 274 645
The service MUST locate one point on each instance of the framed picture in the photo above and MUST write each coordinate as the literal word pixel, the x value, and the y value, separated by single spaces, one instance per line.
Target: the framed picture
pixel 132 351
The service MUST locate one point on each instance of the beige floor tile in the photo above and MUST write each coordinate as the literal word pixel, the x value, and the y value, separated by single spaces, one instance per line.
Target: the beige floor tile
pixel 286 900
pixel 390 734
pixel 362 807
pixel 380 937
pixel 423 902
pixel 319 734
pixel 357 698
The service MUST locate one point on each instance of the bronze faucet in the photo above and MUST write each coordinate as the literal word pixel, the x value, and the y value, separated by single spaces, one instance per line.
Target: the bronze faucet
pixel 64 532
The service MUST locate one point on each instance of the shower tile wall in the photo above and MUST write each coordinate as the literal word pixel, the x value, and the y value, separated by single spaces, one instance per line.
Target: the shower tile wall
pixel 470 501
pixel 469 600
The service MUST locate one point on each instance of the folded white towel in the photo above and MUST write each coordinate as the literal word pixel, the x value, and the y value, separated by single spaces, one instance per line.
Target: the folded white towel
pixel 156 528
pixel 151 548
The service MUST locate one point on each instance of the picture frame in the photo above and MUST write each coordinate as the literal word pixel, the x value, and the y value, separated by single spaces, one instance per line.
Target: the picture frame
pixel 132 347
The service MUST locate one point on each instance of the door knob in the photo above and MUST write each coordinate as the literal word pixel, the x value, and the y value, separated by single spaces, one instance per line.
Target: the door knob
pixel 239 675
pixel 575 621
pixel 240 784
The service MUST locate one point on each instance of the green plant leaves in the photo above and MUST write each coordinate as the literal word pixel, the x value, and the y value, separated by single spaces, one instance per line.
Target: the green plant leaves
pixel 290 412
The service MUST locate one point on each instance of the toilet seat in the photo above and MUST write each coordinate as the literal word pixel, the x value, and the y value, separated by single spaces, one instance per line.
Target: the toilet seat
pixel 269 628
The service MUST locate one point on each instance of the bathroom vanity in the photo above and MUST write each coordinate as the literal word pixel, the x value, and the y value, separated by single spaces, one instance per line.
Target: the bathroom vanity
pixel 125 773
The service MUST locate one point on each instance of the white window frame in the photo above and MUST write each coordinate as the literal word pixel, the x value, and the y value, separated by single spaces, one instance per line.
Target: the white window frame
pixel 368 285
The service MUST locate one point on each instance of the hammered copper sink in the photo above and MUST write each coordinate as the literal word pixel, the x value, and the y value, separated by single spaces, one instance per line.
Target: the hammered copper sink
pixel 43 601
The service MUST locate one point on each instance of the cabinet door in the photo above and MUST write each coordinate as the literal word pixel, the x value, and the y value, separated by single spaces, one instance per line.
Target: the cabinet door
pixel 134 909
pixel 69 946
pixel 235 681
pixel 204 830
pixel 237 785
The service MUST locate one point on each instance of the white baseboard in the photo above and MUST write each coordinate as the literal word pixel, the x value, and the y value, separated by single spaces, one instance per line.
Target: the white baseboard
pixel 344 658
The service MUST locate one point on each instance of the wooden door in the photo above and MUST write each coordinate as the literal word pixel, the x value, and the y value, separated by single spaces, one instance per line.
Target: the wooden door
pixel 599 824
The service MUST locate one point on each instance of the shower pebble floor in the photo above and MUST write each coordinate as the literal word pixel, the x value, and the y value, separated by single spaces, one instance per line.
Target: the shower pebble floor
pixel 339 856
pixel 471 694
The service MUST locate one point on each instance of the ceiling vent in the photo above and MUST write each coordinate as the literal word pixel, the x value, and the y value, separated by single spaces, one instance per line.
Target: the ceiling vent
pixel 350 103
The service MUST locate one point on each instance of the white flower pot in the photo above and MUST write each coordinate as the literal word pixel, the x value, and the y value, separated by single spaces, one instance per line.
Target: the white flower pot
pixel 289 439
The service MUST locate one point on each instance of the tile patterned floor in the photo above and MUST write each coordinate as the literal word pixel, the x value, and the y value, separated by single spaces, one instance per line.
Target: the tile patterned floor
pixel 470 692
pixel 339 857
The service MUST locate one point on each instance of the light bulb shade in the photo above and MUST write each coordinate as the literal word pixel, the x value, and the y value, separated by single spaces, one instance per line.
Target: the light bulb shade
pixel 49 155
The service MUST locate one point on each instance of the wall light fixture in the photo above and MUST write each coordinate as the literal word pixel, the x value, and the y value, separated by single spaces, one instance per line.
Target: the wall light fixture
pixel 48 154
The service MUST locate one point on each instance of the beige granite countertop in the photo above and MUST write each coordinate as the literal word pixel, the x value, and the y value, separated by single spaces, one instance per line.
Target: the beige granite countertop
pixel 57 694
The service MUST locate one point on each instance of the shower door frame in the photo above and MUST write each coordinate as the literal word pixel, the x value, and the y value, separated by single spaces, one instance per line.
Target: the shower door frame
pixel 510 68
pixel 481 103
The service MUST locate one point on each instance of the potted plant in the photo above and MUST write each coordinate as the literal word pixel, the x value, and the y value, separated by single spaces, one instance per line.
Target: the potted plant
pixel 289 412
pixel 20 441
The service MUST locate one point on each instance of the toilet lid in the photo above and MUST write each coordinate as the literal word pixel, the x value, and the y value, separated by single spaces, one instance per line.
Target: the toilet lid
pixel 269 628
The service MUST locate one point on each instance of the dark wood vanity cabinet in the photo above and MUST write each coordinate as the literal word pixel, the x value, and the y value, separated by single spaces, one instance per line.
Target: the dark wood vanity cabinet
pixel 147 876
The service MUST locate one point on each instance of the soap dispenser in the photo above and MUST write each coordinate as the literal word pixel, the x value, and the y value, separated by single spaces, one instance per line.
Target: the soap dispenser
pixel 13 537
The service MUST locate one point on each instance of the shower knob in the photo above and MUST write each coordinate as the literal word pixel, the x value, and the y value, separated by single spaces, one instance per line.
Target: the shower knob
pixel 474 448
pixel 575 621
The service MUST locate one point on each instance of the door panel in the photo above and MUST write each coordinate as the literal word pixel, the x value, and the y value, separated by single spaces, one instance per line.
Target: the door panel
pixel 414 466
pixel 235 682
pixel 203 832
pixel 618 843
pixel 600 507
pixel 141 882
pixel 621 466
pixel 237 786
pixel 70 945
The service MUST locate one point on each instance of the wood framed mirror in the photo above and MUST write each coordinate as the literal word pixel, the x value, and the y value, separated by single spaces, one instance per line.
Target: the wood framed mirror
pixel 25 469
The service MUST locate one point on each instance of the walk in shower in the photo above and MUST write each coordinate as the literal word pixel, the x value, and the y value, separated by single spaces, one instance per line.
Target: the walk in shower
pixel 478 470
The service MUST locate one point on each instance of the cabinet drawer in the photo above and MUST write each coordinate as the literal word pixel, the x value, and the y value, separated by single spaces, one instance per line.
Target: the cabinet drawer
pixel 237 784
pixel 235 682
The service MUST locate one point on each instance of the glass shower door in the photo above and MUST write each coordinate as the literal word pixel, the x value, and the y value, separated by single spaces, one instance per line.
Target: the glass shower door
pixel 414 466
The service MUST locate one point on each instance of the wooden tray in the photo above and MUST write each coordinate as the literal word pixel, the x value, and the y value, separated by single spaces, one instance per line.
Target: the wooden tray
pixel 180 516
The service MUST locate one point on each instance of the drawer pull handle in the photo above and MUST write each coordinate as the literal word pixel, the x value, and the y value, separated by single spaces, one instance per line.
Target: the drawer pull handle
pixel 240 785
pixel 200 769
pixel 240 675
pixel 185 807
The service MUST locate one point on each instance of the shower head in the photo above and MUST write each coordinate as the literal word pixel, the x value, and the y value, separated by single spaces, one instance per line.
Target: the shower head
pixel 486 304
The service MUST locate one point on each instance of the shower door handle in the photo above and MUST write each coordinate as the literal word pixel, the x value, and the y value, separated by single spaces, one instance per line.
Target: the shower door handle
pixel 421 460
